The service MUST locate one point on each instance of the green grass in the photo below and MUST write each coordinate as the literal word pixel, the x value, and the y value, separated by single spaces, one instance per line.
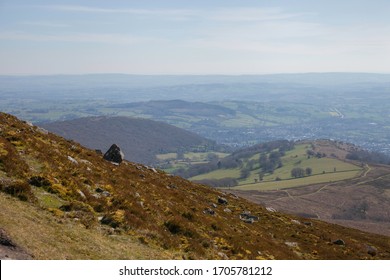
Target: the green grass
pixel 219 174
pixel 314 179
pixel 203 156
pixel 323 170
pixel 47 200
pixel 168 156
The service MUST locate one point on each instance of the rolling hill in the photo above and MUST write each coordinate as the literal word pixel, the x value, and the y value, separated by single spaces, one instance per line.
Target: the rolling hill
pixel 139 139
pixel 60 200
pixel 345 185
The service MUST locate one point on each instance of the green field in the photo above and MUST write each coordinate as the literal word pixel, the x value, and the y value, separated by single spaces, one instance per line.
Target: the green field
pixel 311 180
pixel 218 174
pixel 167 156
pixel 188 159
pixel 324 169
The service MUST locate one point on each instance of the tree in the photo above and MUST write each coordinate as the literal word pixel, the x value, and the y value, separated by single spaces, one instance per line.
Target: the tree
pixel 261 176
pixel 297 172
pixel 308 171
pixel 245 172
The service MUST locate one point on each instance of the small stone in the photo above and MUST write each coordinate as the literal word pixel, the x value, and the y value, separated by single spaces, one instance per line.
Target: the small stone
pixel 81 194
pixel 339 242
pixel 270 209
pixel 209 211
pixel 106 193
pixel 72 160
pixel 371 250
pixel 223 256
pixel 291 244
pixel 222 200
pixel 296 222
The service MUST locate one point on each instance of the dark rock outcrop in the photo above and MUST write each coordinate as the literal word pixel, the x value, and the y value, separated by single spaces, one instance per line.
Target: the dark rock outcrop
pixel 9 250
pixel 114 154
pixel 222 200
pixel 339 242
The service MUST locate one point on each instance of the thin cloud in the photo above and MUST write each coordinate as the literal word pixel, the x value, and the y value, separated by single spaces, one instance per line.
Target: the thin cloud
pixel 77 37
pixel 222 14
pixel 45 24
pixel 169 13
pixel 251 15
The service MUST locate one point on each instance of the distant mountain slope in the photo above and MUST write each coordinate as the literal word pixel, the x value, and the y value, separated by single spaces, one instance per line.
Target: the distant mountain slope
pixel 59 200
pixel 139 139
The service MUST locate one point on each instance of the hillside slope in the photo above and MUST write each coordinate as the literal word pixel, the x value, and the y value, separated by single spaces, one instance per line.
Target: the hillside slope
pixel 140 139
pixel 63 201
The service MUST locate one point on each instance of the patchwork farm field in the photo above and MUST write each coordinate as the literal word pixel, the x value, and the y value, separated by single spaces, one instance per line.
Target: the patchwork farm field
pixel 324 168
pixel 298 182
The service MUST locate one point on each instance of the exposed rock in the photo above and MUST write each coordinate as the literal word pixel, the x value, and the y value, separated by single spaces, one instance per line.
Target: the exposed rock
pixel 9 250
pixel 308 224
pixel 372 250
pixel 209 211
pixel 72 160
pixel 222 200
pixel 296 222
pixel 227 210
pixel 152 169
pixel 339 242
pixel 5 240
pixel 99 190
pixel 270 209
pixel 291 244
pixel 223 256
pixel 248 218
pixel 114 154
pixel 106 193
pixel 87 162
pixel 214 205
pixel 81 194
pixel 172 186
pixel 99 152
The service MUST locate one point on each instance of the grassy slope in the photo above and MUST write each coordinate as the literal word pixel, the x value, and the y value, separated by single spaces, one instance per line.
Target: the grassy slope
pixel 323 171
pixel 49 237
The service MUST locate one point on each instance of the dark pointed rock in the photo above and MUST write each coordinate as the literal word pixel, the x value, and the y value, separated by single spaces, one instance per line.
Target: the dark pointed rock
pixel 114 154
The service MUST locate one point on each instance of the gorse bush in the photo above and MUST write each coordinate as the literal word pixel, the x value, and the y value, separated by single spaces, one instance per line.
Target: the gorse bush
pixel 19 189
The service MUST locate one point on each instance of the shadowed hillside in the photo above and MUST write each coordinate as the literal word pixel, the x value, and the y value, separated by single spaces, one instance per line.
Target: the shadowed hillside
pixel 60 200
pixel 140 139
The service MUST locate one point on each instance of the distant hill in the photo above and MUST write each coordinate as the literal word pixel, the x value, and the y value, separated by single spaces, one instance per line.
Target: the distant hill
pixel 139 139
pixel 60 200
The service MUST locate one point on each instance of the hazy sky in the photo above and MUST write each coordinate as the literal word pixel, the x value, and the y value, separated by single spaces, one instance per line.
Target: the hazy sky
pixel 194 36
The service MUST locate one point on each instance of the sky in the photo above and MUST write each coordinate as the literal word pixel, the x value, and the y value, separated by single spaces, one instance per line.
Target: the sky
pixel 234 37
